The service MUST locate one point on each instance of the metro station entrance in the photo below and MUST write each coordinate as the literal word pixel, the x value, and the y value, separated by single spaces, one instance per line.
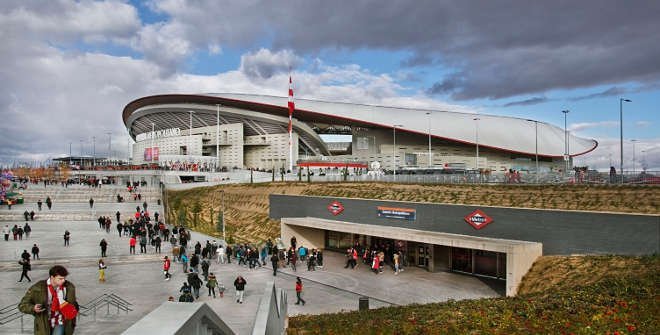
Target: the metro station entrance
pixel 478 262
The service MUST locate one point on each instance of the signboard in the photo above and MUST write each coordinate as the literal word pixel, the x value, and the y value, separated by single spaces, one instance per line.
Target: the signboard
pixel 335 208
pixel 397 213
pixel 151 154
pixel 478 219
pixel 171 132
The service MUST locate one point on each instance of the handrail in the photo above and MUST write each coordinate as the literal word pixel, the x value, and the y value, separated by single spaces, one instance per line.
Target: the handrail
pixel 10 312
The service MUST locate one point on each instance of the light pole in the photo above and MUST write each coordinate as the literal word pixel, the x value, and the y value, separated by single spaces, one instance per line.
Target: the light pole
pixel 633 160
pixel 224 234
pixel 476 135
pixel 394 148
pixel 190 135
pixel 566 153
pixel 536 147
pixel 153 133
pixel 109 146
pixel 70 154
pixel 621 100
pixel 93 151
pixel 81 155
pixel 217 139
pixel 430 157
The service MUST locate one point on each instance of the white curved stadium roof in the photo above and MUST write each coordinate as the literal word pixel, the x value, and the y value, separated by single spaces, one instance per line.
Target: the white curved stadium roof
pixel 497 132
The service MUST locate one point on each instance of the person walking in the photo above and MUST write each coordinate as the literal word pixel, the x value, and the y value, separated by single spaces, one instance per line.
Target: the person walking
pixel 299 290
pixel 239 284
pixel 274 260
pixel 184 262
pixel 221 254
pixel 67 237
pixel 104 247
pixel 39 203
pixel 195 283
pixel 6 231
pixel 25 255
pixel 27 229
pixel 212 283
pixel 91 202
pixel 53 303
pixel 166 268
pixel 102 268
pixel 205 269
pixel 143 244
pixel 35 252
pixel 25 267
pixel 49 203
pixel 118 215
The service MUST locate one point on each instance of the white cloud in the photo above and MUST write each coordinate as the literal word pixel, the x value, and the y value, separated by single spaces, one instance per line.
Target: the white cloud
pixel 65 21
pixel 643 124
pixel 573 127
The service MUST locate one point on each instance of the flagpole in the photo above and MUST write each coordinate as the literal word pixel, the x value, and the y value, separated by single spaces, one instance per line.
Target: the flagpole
pixel 291 106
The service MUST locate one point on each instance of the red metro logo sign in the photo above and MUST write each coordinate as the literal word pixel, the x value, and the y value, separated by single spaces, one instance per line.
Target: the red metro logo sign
pixel 478 219
pixel 335 207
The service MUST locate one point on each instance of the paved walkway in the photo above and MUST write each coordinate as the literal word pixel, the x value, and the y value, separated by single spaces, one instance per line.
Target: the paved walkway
pixel 139 279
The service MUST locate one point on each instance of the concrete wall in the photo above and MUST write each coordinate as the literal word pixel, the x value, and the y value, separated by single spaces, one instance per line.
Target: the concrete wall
pixel 518 262
pixel 560 232
pixel 272 314
pixel 309 237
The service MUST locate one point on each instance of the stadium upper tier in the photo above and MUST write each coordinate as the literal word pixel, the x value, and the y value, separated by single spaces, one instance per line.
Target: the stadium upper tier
pixel 269 114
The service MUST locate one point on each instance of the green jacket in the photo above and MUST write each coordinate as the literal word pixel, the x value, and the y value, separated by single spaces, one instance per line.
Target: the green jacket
pixel 38 294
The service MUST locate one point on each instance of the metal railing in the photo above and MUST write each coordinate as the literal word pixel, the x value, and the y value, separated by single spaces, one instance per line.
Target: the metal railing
pixel 10 313
pixel 105 300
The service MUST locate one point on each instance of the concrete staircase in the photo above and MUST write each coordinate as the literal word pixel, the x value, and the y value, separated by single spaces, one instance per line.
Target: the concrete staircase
pixel 72 203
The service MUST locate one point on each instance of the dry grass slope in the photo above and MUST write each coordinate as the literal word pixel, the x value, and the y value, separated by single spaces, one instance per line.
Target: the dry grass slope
pixel 246 206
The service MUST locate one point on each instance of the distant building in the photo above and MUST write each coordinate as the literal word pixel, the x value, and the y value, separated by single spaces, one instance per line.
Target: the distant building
pixel 253 133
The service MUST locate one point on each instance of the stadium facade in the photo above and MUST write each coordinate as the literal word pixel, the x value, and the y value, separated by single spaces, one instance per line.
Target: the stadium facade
pixel 251 131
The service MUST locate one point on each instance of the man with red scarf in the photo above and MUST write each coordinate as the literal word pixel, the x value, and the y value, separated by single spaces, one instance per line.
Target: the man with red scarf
pixel 53 304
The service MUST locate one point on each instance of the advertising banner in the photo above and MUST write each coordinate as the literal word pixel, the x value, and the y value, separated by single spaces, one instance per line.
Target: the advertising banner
pixel 397 213
pixel 147 154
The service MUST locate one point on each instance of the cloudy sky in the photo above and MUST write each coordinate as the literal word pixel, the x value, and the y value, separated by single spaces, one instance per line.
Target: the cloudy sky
pixel 67 68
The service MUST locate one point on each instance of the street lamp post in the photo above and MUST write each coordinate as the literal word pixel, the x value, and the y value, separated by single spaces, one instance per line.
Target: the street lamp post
pixel 217 138
pixel 81 154
pixel 394 148
pixel 153 132
pixel 621 100
pixel 476 135
pixel 633 158
pixel 190 135
pixel 224 234
pixel 93 151
pixel 567 155
pixel 70 154
pixel 430 157
pixel 536 147
pixel 109 146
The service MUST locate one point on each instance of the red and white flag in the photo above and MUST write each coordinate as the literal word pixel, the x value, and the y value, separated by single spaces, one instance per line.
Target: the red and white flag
pixel 292 105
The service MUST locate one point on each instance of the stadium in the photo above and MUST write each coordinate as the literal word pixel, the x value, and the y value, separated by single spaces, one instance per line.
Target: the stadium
pixel 240 131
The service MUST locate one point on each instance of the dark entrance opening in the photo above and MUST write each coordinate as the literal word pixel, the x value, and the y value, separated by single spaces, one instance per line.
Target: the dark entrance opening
pixel 479 262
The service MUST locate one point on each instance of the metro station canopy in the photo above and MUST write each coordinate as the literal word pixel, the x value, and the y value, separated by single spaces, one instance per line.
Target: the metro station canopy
pixel 269 114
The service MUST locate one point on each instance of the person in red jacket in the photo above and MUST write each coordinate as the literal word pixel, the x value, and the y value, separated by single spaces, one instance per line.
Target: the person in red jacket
pixel 131 244
pixel 166 268
pixel 299 288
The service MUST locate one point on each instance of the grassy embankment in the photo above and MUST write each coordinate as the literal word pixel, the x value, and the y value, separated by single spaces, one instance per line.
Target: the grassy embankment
pixel 560 295
pixel 246 206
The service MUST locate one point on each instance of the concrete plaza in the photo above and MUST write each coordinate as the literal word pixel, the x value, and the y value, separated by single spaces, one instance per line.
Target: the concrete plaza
pixel 139 278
